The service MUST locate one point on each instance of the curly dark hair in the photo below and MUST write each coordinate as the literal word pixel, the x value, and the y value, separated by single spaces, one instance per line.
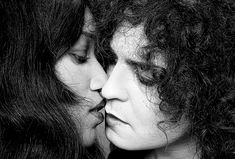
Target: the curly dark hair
pixel 197 40
pixel 34 118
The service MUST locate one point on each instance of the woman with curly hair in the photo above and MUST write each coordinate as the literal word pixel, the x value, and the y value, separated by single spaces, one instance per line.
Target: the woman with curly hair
pixel 171 86
pixel 50 80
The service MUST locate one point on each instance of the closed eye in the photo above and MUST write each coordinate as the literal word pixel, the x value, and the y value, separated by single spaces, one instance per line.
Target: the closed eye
pixel 147 73
pixel 79 59
pixel 80 53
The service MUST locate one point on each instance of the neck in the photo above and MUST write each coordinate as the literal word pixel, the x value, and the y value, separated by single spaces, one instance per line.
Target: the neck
pixel 182 149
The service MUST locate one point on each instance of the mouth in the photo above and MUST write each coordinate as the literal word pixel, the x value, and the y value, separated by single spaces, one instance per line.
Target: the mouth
pixel 111 119
pixel 99 106
pixel 96 113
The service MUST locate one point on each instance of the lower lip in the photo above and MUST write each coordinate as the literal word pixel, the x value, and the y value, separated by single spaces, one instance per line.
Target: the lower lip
pixel 99 116
pixel 111 121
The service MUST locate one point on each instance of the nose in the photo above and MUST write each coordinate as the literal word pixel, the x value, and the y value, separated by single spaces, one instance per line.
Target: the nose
pixel 99 77
pixel 114 88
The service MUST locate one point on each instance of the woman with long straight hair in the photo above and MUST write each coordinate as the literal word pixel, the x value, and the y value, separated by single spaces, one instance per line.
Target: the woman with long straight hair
pixel 50 80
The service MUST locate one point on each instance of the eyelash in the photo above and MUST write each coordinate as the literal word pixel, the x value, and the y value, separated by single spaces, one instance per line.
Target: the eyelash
pixel 149 75
pixel 79 59
pixel 84 52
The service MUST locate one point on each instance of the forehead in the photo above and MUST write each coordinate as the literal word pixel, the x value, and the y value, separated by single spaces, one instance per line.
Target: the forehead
pixel 88 21
pixel 128 40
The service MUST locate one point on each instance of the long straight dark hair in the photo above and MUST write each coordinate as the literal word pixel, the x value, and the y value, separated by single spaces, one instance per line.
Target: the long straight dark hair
pixel 34 122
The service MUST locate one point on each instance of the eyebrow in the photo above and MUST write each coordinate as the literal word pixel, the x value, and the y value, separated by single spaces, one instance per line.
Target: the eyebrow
pixel 89 34
pixel 136 63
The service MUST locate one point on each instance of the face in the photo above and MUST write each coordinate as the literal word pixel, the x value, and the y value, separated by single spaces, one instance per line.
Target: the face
pixel 132 114
pixel 83 74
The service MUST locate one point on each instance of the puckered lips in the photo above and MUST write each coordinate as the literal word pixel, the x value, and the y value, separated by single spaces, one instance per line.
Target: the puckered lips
pixel 96 109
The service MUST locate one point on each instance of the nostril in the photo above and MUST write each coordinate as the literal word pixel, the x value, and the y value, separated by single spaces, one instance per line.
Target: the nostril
pixel 99 90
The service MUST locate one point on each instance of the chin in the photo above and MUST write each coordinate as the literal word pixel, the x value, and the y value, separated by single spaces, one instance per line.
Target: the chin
pixel 128 143
pixel 116 140
pixel 88 139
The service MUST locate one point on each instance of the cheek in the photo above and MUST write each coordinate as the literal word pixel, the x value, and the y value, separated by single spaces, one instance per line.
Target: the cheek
pixel 154 133
pixel 143 107
pixel 146 119
pixel 79 82
pixel 76 77
pixel 145 114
